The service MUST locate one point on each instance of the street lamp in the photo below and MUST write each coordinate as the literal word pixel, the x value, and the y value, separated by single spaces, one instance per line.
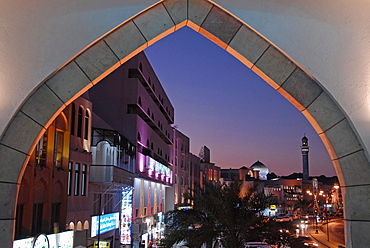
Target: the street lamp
pixel 315 186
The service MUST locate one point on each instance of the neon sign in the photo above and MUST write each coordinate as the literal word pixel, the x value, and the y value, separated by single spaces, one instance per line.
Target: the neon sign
pixel 161 171
pixel 108 222
pixel 126 215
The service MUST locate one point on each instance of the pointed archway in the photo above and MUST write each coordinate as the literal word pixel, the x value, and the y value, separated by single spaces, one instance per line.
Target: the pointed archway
pixel 131 37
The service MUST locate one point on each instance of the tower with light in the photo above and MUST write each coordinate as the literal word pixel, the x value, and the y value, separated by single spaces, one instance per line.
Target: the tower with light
pixel 305 149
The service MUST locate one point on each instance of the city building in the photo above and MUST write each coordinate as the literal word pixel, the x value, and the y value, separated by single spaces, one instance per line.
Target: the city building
pixel 42 203
pixel 209 172
pixel 78 212
pixel 132 102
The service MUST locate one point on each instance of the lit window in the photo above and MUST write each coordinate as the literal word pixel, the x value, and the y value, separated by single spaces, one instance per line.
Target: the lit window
pixel 87 122
pixel 70 166
pixel 83 180
pixel 77 178
pixel 58 148
pixel 40 151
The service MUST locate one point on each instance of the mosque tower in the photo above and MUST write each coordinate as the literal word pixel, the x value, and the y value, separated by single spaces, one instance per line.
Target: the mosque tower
pixel 305 149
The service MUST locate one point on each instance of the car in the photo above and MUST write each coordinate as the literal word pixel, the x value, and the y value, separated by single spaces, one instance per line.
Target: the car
pixel 310 244
pixel 258 245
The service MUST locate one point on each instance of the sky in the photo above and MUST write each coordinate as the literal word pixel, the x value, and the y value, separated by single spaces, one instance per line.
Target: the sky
pixel 222 104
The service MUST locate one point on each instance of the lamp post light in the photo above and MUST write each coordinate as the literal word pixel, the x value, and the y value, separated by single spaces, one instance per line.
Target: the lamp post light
pixel 315 186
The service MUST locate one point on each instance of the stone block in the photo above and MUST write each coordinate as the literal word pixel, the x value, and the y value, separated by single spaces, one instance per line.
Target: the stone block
pixel 221 24
pixel 11 164
pixel 6 227
pixel 177 10
pixel 355 168
pixel 357 202
pixel 154 23
pixel 68 82
pixel 96 60
pixel 42 105
pixel 343 139
pixel 125 40
pixel 325 111
pixel 24 129
pixel 8 192
pixel 198 11
pixel 249 44
pixel 302 87
pixel 275 65
pixel 357 234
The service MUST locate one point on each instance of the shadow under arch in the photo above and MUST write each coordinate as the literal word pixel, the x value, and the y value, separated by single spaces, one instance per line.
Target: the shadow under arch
pixel 233 35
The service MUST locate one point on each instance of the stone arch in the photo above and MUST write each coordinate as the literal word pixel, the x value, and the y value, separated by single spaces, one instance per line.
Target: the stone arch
pixel 119 45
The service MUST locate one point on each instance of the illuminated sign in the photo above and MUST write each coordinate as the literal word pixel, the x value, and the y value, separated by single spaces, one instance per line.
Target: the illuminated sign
pixel 161 171
pixel 185 208
pixel 126 215
pixel 58 240
pixel 272 206
pixel 107 223
pixel 101 244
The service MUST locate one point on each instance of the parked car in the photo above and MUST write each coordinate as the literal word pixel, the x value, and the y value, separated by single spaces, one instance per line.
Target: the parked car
pixel 258 245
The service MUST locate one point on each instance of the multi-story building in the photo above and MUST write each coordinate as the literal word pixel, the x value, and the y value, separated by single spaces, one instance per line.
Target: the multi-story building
pixel 132 101
pixel 181 167
pixel 209 172
pixel 78 212
pixel 54 187
pixel 42 202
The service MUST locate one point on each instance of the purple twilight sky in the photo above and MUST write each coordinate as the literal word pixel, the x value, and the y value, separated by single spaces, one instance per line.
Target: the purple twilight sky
pixel 222 104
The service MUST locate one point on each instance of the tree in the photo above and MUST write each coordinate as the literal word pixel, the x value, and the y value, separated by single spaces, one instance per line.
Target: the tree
pixel 222 213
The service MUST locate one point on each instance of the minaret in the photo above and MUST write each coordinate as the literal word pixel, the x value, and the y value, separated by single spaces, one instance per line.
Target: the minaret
pixel 305 149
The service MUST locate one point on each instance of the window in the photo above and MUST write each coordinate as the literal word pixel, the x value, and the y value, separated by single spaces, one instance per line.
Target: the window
pixel 73 119
pixel 141 67
pixel 55 214
pixel 139 101
pixel 77 178
pixel 40 151
pixel 83 179
pixel 79 122
pixel 58 148
pixel 69 186
pixel 37 218
pixel 138 136
pixel 87 122
pixel 19 221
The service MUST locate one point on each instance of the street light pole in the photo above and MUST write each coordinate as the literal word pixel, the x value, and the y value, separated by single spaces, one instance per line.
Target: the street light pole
pixel 315 187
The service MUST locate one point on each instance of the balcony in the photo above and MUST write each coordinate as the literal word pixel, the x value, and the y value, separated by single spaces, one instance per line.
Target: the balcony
pixel 110 174
pixel 136 109
pixel 136 73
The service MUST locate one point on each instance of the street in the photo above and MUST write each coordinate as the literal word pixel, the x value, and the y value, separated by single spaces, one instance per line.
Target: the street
pixel 336 233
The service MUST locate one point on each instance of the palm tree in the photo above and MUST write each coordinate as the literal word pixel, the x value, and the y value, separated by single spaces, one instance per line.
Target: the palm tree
pixel 220 213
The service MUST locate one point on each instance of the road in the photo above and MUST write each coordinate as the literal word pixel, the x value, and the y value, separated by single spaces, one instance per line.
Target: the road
pixel 336 230
pixel 336 233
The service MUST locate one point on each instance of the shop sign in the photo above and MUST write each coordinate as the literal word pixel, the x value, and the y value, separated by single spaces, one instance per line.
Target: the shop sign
pixel 58 240
pixel 107 222
pixel 101 244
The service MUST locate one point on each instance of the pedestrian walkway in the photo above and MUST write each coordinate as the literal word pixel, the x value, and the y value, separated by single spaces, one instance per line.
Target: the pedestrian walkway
pixel 321 237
